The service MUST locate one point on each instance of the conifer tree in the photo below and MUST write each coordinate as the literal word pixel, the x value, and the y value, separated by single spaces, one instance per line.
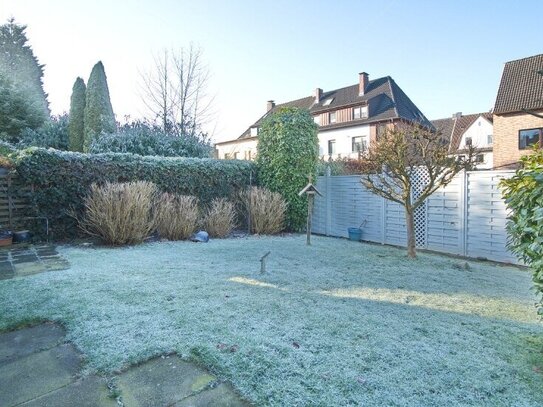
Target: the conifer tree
pixel 99 117
pixel 20 65
pixel 76 125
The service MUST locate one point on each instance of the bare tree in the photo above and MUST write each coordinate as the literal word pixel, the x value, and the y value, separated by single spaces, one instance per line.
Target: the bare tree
pixel 401 152
pixel 175 91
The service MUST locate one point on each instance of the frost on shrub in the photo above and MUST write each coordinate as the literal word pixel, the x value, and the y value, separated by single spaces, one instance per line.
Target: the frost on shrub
pixel 266 210
pixel 220 218
pixel 176 216
pixel 120 213
pixel 145 139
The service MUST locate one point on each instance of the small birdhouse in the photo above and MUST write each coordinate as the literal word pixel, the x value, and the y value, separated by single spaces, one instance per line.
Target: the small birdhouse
pixel 309 189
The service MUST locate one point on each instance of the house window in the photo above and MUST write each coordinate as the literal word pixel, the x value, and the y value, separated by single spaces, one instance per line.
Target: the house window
pixel 317 119
pixel 331 147
pixel 327 102
pixel 468 141
pixel 358 144
pixel 227 156
pixel 529 137
pixel 381 129
pixel 333 117
pixel 480 158
pixel 254 131
pixel 360 112
pixel 236 156
pixel 489 139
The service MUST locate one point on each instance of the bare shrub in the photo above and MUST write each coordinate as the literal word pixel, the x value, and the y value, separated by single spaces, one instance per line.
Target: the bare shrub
pixel 220 218
pixel 120 213
pixel 176 216
pixel 266 210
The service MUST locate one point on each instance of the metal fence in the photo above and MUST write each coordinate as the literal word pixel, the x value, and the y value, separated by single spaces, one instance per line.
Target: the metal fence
pixel 466 218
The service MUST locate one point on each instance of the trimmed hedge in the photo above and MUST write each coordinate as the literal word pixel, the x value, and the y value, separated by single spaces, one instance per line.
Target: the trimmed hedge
pixel 61 179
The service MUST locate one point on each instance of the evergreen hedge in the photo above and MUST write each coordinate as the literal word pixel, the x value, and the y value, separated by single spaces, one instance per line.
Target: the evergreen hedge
pixel 61 179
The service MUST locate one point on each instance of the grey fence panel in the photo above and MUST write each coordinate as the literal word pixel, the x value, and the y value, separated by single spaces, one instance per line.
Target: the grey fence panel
pixel 444 226
pixel 467 217
pixel 486 217
pixel 394 224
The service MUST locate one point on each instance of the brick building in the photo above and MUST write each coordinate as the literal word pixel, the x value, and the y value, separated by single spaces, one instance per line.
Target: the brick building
pixel 518 111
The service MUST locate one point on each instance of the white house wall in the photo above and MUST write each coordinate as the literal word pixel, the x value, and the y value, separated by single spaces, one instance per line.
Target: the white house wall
pixel 343 138
pixel 240 149
pixel 479 132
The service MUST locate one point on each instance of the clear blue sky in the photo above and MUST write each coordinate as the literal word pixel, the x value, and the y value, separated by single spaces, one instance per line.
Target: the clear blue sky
pixel 446 55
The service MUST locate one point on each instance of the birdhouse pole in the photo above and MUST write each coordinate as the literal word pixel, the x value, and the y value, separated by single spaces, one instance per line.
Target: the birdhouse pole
pixel 310 198
pixel 310 190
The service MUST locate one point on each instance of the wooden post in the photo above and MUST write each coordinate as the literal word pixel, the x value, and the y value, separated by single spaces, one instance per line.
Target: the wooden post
pixel 263 263
pixel 310 197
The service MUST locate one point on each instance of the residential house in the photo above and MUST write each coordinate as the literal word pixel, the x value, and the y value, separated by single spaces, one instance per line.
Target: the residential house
pixel 518 112
pixel 469 130
pixel 348 118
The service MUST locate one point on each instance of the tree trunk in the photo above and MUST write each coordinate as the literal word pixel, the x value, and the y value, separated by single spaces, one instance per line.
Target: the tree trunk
pixel 410 224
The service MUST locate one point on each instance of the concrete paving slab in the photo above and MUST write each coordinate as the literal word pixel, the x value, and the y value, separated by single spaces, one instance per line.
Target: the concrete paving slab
pixel 91 391
pixel 220 396
pixel 161 382
pixel 25 341
pixel 36 374
pixel 23 269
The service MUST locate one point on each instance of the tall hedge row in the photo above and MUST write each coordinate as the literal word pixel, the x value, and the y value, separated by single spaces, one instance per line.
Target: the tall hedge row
pixel 61 179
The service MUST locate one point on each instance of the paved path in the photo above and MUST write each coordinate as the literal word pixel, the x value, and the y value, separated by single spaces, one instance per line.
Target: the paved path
pixel 39 369
pixel 22 260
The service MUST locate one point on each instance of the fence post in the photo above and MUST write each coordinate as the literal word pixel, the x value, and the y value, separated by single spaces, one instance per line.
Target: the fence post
pixel 463 208
pixel 383 219
pixel 328 197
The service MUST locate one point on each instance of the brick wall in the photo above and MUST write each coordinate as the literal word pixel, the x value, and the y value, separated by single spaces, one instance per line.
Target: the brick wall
pixel 506 139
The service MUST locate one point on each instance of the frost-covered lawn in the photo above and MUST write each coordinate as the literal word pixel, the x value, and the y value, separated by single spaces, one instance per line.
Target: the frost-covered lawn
pixel 336 324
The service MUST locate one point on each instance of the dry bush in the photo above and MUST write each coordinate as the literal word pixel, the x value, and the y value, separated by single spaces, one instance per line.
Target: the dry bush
pixel 220 218
pixel 266 210
pixel 120 213
pixel 176 216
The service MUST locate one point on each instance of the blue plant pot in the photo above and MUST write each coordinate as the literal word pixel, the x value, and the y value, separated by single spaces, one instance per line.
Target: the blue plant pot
pixel 355 234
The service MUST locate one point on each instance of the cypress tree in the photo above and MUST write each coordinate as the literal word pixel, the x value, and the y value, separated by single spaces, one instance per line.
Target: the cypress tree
pixel 99 117
pixel 20 65
pixel 76 124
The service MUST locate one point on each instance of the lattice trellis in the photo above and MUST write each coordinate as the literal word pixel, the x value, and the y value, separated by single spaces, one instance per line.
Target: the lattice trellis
pixel 419 180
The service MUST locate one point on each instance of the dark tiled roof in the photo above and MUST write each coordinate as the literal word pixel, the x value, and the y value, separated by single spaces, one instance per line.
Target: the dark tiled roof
pixel 384 97
pixel 303 103
pixel 454 127
pixel 521 86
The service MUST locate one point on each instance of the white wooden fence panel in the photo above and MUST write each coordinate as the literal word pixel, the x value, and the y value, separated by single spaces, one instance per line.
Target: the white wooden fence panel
pixel 467 218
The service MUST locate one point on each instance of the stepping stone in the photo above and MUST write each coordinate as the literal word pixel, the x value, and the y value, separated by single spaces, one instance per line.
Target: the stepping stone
pixel 56 263
pixel 161 382
pixel 23 269
pixel 220 396
pixel 88 392
pixel 37 374
pixel 6 270
pixel 23 342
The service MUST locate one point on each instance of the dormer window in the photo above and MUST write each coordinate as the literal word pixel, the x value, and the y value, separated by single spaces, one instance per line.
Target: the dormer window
pixel 327 102
pixel 360 112
pixel 333 118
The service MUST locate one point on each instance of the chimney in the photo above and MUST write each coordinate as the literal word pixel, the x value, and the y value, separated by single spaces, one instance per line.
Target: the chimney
pixel 318 95
pixel 270 106
pixel 457 115
pixel 363 79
